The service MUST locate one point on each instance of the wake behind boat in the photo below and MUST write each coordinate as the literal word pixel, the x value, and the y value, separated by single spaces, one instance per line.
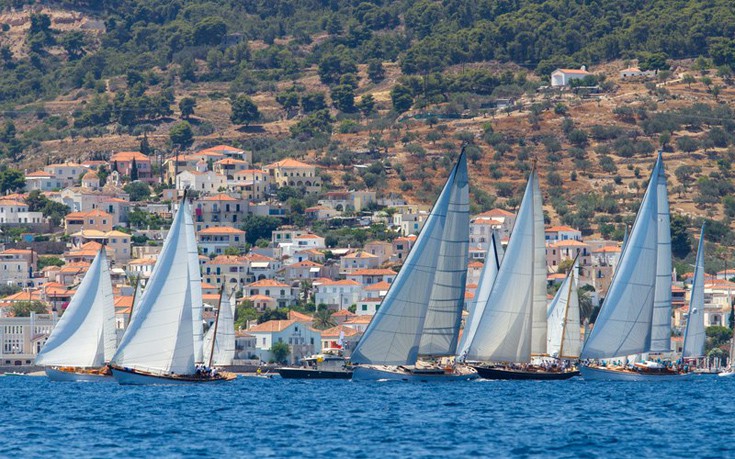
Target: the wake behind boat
pixel 418 321
pixel 163 343
pixel 85 337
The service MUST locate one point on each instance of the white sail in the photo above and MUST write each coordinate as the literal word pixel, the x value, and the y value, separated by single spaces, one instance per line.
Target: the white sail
pixel 564 337
pixel 422 310
pixel 694 333
pixel 85 334
pixel 233 303
pixel 539 301
pixel 493 258
pixel 160 337
pixel 623 326
pixel 504 330
pixel 224 344
pixel 195 278
pixel 661 325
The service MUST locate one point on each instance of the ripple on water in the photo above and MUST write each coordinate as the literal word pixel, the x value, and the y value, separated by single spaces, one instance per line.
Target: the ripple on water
pixel 278 418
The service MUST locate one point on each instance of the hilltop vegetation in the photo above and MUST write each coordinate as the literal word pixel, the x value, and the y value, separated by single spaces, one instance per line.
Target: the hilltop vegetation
pixel 395 86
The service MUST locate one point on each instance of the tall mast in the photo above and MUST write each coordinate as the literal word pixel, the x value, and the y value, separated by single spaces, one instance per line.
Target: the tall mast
pixel 135 292
pixel 566 309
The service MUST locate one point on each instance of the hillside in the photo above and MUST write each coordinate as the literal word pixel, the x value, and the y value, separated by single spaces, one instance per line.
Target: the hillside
pixel 397 87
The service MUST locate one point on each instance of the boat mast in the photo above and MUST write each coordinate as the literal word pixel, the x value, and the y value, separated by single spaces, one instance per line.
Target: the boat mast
pixel 566 309
pixel 216 322
pixel 135 291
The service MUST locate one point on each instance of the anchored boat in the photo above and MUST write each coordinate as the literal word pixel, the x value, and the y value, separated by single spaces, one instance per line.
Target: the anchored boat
pixel 163 343
pixel 330 364
pixel 418 321
pixel 84 340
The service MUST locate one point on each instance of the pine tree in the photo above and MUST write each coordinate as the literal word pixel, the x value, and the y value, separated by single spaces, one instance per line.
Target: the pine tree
pixel 133 171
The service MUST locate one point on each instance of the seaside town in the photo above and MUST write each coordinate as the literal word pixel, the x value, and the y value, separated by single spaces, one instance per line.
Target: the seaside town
pixel 293 284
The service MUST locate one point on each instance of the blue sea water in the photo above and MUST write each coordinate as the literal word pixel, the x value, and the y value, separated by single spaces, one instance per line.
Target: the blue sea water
pixel 286 418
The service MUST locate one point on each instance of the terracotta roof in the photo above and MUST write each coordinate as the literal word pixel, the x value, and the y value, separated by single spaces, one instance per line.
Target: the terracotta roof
pixel 221 148
pixel 231 161
pixel 142 261
pixel 90 175
pixel 16 252
pixel 221 230
pixel 568 243
pixel 267 283
pixel 259 298
pixel 124 301
pixel 226 260
pixel 483 221
pixel 554 229
pixel 335 332
pixel 31 295
pixel 373 272
pixel 377 287
pixel 305 264
pixel 360 254
pixel 219 197
pixel 39 174
pixel 257 257
pixel 608 248
pixel 289 162
pixel 496 213
pixel 308 236
pixel 271 326
pixel 129 156
pixel 346 282
pixel 251 171
pixel 343 312
pixel 475 264
pixel 359 320
pixel 573 71
pixel 91 213
pixel 299 317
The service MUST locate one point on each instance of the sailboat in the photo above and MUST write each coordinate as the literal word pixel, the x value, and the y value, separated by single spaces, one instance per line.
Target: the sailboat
pixel 418 321
pixel 730 370
pixel 219 341
pixel 163 342
pixel 563 339
pixel 511 318
pixel 694 333
pixel 84 340
pixel 635 318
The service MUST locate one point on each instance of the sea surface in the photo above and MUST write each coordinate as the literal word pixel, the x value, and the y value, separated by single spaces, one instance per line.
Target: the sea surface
pixel 254 417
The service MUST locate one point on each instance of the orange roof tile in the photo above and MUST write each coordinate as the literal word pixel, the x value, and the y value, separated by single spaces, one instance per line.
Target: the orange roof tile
pixel 221 230
pixel 377 287
pixel 288 163
pixel 335 332
pixel 299 317
pixel 267 283
pixel 129 156
pixel 219 197
pixel 271 326
pixel 373 272
pixel 91 213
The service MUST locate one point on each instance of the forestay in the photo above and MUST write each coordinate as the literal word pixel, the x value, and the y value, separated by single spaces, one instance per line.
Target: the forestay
pixel 422 310
pixel 160 338
pixel 694 334
pixel 623 326
pixel 493 258
pixel 504 331
pixel 85 335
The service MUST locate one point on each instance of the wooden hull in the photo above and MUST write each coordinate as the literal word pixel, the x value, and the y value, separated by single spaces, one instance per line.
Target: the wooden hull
pixel 70 375
pixel 136 378
pixel 394 373
pixel 608 374
pixel 306 373
pixel 508 373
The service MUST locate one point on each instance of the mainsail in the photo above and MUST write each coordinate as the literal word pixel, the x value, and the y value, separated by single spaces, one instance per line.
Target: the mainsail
pixel 661 323
pixel 694 333
pixel 490 269
pixel 623 326
pixel 515 310
pixel 160 337
pixel 564 338
pixel 422 310
pixel 224 342
pixel 85 335
pixel 195 279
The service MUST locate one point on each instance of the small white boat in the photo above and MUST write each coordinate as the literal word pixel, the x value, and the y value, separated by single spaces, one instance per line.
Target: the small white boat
pixel 727 373
pixel 77 375
pixel 413 373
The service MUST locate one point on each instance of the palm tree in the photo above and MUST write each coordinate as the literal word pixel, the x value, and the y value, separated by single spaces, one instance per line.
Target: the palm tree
pixel 323 318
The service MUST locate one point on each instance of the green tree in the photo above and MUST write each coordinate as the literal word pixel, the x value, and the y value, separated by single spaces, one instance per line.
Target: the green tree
pixel 323 318
pixel 375 71
pixel 688 79
pixel 138 191
pixel 366 105
pixel 343 98
pixel 11 180
pixel 181 135
pixel 259 227
pixel 49 261
pixel 210 31
pixel 280 351
pixel 186 106
pixel 73 43
pixel 313 101
pixel 681 243
pixel 401 97
pixel 25 308
pixel 133 170
pixel 244 110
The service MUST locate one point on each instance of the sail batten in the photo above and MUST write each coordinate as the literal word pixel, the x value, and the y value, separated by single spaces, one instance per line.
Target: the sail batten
pixel 85 335
pixel 421 313
pixel 624 324
pixel 694 333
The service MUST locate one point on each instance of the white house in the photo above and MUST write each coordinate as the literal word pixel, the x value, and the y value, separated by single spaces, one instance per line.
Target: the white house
pixel 302 242
pixel 16 212
pixel 215 239
pixel 279 291
pixel 562 233
pixel 635 72
pixel 562 77
pixel 358 260
pixel 302 340
pixel 209 181
pixel 340 294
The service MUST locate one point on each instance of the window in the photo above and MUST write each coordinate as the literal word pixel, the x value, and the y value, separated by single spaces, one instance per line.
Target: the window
pixel 364 307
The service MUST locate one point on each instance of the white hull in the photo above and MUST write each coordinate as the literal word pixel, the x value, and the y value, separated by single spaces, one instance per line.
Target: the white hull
pixel 727 374
pixel 604 374
pixel 394 373
pixel 67 376
pixel 137 379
